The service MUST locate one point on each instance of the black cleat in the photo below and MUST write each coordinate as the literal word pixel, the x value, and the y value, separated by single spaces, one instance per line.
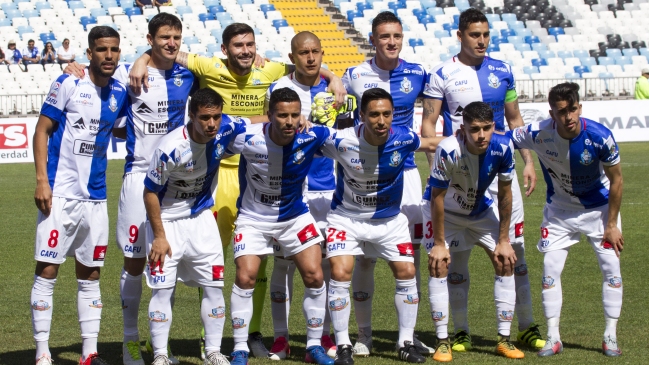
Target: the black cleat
pixel 344 355
pixel 409 353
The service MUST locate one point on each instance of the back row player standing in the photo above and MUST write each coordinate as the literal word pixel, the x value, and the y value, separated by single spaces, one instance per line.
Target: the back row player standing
pixel 467 77
pixel 405 82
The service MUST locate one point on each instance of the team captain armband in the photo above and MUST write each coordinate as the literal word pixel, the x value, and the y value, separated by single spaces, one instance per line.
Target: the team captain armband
pixel 511 95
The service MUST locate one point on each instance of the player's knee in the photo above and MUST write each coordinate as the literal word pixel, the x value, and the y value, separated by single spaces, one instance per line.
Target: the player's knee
pixel 403 270
pixel 341 273
pixel 313 279
pixel 245 280
pixel 134 265
pixel 46 270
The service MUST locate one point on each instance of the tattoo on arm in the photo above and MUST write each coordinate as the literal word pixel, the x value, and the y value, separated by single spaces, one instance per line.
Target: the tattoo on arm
pixel 505 212
pixel 182 59
pixel 526 155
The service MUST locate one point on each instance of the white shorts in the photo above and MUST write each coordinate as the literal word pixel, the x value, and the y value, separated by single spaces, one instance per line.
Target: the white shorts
pixel 411 203
pixel 463 232
pixel 197 254
pixel 131 216
pixel 319 203
pixel 563 228
pixel 74 228
pixel 386 238
pixel 517 223
pixel 285 239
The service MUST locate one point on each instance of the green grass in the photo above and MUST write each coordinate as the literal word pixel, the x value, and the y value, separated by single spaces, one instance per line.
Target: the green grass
pixel 582 321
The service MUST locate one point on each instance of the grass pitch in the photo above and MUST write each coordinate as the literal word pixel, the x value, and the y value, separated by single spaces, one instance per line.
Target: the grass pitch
pixel 582 322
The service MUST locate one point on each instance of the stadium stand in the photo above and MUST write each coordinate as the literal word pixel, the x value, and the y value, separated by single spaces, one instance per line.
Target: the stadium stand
pixel 600 44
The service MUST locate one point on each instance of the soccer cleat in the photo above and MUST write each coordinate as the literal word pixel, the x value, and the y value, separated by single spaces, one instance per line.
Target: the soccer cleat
pixel 201 342
pixel 609 347
pixel 131 353
pixel 344 355
pixel 216 358
pixel 44 360
pixel 256 345
pixel 550 348
pixel 409 353
pixel 317 355
pixel 161 360
pixel 531 337
pixel 329 345
pixel 93 359
pixel 443 351
pixel 363 346
pixel 172 359
pixel 239 358
pixel 507 349
pixel 280 349
pixel 462 342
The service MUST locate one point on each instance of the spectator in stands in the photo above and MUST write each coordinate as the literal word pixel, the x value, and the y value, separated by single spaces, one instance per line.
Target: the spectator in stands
pixel 14 55
pixel 642 85
pixel 145 4
pixel 2 57
pixel 30 54
pixel 49 54
pixel 160 3
pixel 65 53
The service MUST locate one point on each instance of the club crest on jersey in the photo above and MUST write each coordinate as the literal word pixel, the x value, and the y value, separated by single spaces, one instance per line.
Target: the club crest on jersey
pixel 218 312
pixel 493 80
pixel 298 157
pixel 314 322
pixel 395 159
pixel 406 86
pixel 219 151
pixel 112 103
pixel 178 80
pixel 586 158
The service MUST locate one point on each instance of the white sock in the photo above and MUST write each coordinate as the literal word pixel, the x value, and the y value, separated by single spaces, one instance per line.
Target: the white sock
pixel 438 296
pixel 42 304
pixel 417 257
pixel 213 316
pixel 130 289
pixel 612 288
pixel 241 313
pixel 458 289
pixel 363 287
pixel 523 292
pixel 326 276
pixel 338 303
pixel 281 292
pixel 313 308
pixel 551 295
pixel 406 301
pixel 89 309
pixel 160 317
pixel 610 333
pixel 505 297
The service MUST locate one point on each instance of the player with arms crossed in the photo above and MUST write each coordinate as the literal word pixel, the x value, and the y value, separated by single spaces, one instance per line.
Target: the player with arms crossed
pixel 243 87
pixel 306 54
pixel 464 213
pixel 581 167
pixel 70 143
pixel 275 161
pixel 180 231
pixel 471 76
pixel 406 82
pixel 365 217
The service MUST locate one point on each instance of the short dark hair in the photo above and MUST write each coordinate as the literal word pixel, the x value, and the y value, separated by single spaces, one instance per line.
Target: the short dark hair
pixel 205 98
pixel 101 31
pixel 282 95
pixel 374 94
pixel 162 19
pixel 30 41
pixel 567 91
pixel 470 16
pixel 477 111
pixel 235 29
pixel 383 18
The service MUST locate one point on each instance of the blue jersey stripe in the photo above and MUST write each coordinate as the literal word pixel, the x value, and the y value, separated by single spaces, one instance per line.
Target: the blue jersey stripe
pixel 97 179
pixel 54 147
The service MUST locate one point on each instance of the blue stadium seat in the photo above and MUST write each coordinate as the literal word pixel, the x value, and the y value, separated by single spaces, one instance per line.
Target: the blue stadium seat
pixel 508 18
pixel 223 16
pixel 515 39
pixel 416 12
pixel 507 32
pixel 522 47
pixel 442 34
pixel 363 6
pixel 414 42
pixel 530 70
pixel 351 14
pixel 555 31
pixel 572 75
pixel 273 54
pixel 244 2
pixel 498 39
pixel 588 61
pixel 454 49
pixel 539 62
pixel 580 53
pixel 42 5
pixel 517 25
pixel 644 52
pixel 108 4
pixel 206 16
pixel 132 11
pixel 428 4
pixel 581 69
pixel 445 56
pixel 225 22
pixel 76 5
pixel 141 49
pixel 46 37
pixel 630 52
pixel 426 19
pixel 449 26
pixel 5 22
pixel 278 23
pixel 493 18
pixel 217 9
pixel 22 29
pixel 184 10
pixel 213 47
pixel 130 58
pixel 564 54
pixel 435 11
pixel 606 75
pixel 8 6
pixel 456 19
pixel 209 3
pixel 85 20
pixel 13 13
pixel 265 7
pixel 493 47
pixel 31 13
pixel 613 52
pixel 539 47
pixel 623 60
pixel 98 12
pixel 217 32
pixel 126 4
pixel 605 61
pixel 532 39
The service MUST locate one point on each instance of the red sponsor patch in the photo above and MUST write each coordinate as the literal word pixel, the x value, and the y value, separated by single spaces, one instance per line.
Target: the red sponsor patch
pixel 307 234
pixel 405 249
pixel 238 237
pixel 419 230
pixel 100 253
pixel 217 272
pixel 518 229
pixel 607 245
pixel 155 269
pixel 13 136
pixel 544 232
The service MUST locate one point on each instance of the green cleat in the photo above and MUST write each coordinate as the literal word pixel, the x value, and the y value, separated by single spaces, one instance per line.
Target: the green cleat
pixel 462 342
pixel 531 337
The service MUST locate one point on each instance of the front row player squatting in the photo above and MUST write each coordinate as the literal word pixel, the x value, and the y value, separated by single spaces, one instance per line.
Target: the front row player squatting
pixel 581 167
pixel 464 214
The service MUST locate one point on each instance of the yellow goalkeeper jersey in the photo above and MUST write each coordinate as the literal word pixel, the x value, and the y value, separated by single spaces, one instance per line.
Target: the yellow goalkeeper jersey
pixel 242 95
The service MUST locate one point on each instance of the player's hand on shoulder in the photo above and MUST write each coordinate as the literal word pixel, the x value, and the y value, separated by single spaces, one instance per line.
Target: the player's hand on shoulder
pixel 304 125
pixel 138 76
pixel 260 61
pixel 43 197
pixel 337 88
pixel 159 249
pixel 75 69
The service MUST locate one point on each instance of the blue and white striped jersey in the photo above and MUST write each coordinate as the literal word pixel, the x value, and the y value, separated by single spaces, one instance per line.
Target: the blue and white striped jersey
pixel 369 179
pixel 157 111
pixel 321 173
pixel 467 176
pixel 573 169
pixel 405 83
pixel 84 116
pixel 185 173
pixel 272 177
pixel 457 85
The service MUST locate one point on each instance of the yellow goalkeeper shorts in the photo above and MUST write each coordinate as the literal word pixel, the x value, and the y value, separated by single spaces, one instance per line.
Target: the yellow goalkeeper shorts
pixel 225 204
